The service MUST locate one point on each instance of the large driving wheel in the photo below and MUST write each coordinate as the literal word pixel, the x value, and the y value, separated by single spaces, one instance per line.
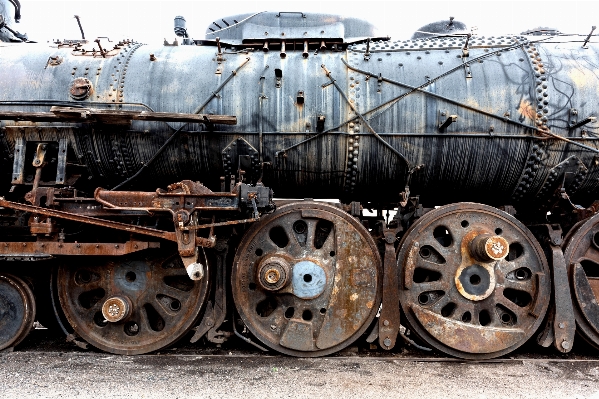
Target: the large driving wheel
pixel 307 279
pixel 130 305
pixel 581 251
pixel 474 282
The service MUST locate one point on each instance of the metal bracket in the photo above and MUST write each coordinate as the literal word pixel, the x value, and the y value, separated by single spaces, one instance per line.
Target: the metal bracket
pixel 241 155
pixel 367 52
pixel 468 71
pixel 61 161
pixel 445 120
pixel 18 167
pixel 575 124
pixel 389 320
pixel 568 174
pixel 573 118
pixel 561 325
pixel 215 314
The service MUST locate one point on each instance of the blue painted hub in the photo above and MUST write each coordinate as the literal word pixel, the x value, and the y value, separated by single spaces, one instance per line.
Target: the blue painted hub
pixel 308 279
pixel 131 277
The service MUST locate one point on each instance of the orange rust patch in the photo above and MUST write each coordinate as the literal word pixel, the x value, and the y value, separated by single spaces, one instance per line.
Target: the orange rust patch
pixel 594 283
pixel 527 109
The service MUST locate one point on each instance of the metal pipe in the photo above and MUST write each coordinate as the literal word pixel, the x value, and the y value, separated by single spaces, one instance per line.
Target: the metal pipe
pixel 589 36
pixel 80 27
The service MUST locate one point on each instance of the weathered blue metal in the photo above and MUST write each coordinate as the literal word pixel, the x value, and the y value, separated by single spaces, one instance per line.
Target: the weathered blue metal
pixel 504 91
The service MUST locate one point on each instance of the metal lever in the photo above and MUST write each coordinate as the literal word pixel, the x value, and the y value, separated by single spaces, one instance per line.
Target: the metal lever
pixel 389 319
pixel 80 27
pixel 564 325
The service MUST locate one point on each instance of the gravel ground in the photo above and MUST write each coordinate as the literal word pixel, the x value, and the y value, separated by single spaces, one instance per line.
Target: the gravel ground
pixel 45 368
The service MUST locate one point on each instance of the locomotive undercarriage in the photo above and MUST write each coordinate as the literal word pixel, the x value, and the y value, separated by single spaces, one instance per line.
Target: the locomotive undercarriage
pixel 133 272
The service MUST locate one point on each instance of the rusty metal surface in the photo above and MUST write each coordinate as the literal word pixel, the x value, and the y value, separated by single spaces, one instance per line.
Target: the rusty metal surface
pixel 464 306
pixel 17 310
pixel 89 220
pixel 332 279
pixel 389 319
pixel 163 302
pixel 36 248
pixel 562 319
pixel 581 253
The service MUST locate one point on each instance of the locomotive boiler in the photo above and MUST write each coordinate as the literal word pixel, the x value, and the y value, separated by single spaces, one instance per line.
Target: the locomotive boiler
pixel 154 191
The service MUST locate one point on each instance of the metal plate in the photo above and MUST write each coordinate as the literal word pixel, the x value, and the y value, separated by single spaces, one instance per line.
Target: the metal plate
pixel 461 304
pixel 165 303
pixel 333 279
pixel 581 252
pixel 17 310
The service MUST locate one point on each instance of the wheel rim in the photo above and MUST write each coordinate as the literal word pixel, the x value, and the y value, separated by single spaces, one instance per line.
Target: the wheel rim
pixel 581 252
pixel 462 290
pixel 17 310
pixel 306 279
pixel 150 302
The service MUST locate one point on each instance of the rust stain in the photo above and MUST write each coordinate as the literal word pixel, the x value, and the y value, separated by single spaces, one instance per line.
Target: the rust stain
pixel 527 109
pixel 594 283
pixel 467 337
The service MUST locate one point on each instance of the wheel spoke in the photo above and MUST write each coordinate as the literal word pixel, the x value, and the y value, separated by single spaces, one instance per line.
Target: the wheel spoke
pixel 521 285
pixel 439 285
pixel 509 304
pixel 170 291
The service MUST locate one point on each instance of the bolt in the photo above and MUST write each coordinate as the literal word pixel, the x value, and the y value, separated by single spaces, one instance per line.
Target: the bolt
pixel 565 344
pixel 416 244
pixel 273 327
pixel 561 325
pixel 387 342
pixel 386 322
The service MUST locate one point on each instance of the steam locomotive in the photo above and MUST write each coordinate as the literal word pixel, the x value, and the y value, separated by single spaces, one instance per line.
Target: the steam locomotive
pixel 147 191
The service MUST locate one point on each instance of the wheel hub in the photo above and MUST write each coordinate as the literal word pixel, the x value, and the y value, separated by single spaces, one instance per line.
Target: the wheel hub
pixel 474 282
pixel 116 309
pixel 274 273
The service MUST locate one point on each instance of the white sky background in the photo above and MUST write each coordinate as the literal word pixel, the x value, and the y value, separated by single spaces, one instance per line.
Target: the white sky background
pixel 150 21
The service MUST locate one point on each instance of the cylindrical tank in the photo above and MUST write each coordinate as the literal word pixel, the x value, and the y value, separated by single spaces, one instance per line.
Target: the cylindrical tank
pixel 467 109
